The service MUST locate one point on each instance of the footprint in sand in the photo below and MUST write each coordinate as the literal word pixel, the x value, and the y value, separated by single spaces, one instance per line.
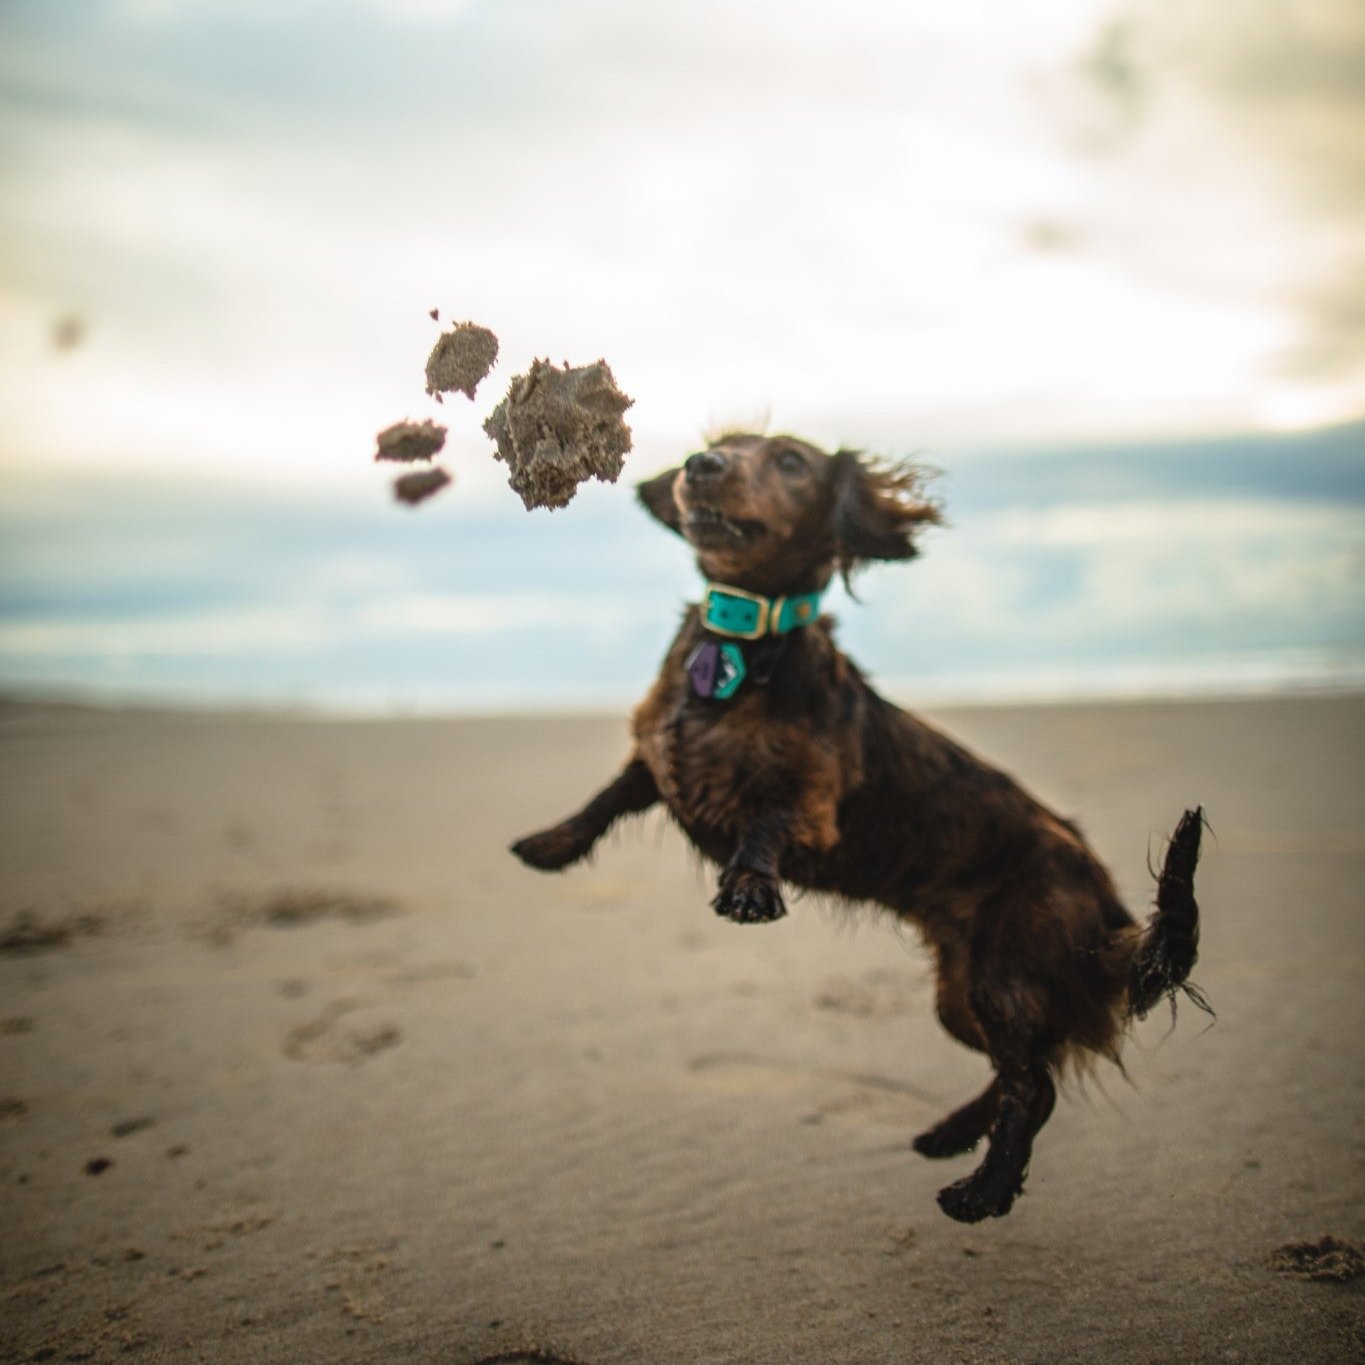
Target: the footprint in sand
pixel 829 1092
pixel 326 1039
pixel 877 994
pixel 750 1070
pixel 360 1280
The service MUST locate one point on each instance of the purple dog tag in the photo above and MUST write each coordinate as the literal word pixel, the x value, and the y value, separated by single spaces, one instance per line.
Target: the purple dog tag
pixel 701 666
pixel 716 671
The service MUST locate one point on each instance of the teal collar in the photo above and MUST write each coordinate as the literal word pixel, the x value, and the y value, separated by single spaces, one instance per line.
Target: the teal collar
pixel 749 616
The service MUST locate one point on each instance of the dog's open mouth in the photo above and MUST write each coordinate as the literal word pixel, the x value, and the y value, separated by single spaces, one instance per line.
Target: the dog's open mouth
pixel 706 526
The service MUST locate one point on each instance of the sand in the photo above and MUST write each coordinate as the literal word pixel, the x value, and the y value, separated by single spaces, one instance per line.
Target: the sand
pixel 555 428
pixel 297 1064
pixel 558 427
pixel 461 359
pixel 420 485
pixel 410 441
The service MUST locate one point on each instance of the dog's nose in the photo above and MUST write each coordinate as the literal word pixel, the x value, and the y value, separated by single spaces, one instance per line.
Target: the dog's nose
pixel 705 464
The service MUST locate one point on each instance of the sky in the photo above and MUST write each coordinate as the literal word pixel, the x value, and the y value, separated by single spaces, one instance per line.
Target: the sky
pixel 1077 246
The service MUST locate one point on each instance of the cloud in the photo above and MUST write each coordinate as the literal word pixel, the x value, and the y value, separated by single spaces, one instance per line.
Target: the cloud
pixel 1114 76
pixel 812 210
pixel 277 11
pixel 1229 133
pixel 1133 579
pixel 1332 340
pixel 1293 75
pixel 309 622
pixel 1235 559
pixel 294 629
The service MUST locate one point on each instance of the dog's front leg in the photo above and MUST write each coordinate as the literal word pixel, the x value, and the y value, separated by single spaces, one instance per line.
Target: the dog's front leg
pixel 633 790
pixel 750 892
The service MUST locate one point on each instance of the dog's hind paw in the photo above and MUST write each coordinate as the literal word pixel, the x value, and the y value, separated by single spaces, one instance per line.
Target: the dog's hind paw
pixel 748 897
pixel 943 1141
pixel 963 1128
pixel 971 1199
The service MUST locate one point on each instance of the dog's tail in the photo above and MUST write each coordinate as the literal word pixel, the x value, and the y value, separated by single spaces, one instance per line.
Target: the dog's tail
pixel 1161 966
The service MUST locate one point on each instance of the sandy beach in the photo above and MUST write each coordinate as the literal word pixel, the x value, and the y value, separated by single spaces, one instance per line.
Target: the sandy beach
pixel 297 1064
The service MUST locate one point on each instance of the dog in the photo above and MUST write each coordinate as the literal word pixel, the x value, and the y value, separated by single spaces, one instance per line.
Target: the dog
pixel 781 764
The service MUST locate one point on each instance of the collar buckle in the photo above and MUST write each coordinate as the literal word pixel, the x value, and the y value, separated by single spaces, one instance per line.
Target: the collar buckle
pixel 743 615
pixel 734 612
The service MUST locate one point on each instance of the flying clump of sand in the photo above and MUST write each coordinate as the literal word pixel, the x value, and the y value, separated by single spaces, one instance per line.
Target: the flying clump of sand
pixel 459 363
pixel 460 360
pixel 556 427
pixel 410 441
pixel 420 484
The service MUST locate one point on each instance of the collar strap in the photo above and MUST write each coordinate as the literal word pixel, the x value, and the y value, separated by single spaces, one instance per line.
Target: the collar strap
pixel 748 616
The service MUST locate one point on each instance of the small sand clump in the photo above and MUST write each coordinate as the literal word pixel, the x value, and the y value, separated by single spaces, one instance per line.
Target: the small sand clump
pixel 558 427
pixel 461 359
pixel 420 485
pixel 410 441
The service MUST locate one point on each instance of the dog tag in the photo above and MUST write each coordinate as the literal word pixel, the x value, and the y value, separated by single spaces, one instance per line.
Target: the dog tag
pixel 715 670
pixel 701 667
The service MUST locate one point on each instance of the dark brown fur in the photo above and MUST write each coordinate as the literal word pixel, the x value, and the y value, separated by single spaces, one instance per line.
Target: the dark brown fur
pixel 808 776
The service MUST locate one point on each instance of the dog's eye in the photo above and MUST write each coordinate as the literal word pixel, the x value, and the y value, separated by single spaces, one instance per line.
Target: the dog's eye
pixel 791 462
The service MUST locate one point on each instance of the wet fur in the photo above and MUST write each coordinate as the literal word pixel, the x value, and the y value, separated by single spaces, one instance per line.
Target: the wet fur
pixel 808 777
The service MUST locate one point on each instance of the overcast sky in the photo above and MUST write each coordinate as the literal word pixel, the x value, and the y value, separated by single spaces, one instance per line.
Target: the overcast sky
pixel 920 226
pixel 1090 236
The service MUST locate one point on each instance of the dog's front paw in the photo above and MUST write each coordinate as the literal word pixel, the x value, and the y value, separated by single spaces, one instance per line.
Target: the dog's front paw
pixel 973 1198
pixel 551 849
pixel 748 897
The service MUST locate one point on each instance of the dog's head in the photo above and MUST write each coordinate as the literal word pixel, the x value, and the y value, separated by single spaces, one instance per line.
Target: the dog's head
pixel 774 514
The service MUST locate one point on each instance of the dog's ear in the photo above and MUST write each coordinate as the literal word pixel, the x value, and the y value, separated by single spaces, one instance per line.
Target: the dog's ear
pixel 878 508
pixel 657 496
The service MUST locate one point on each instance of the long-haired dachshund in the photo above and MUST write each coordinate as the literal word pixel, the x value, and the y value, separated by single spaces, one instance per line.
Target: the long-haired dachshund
pixel 781 764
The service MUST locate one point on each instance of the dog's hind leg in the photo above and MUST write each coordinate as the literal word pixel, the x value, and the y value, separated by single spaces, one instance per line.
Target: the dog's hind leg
pixel 1011 1011
pixel 1026 1097
pixel 963 1128
pixel 967 1125
pixel 633 790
